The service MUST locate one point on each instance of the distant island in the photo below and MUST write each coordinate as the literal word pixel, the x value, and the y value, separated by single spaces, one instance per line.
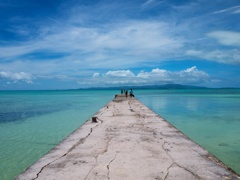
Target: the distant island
pixel 165 86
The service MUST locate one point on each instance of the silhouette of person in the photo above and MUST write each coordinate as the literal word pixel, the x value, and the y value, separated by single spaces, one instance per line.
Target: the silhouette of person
pixel 131 93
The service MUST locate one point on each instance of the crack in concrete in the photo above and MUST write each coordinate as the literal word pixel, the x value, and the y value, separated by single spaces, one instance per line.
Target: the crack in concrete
pixel 108 166
pixel 168 171
pixel 106 149
pixel 81 141
pixel 96 163
pixel 129 105
pixel 136 111
pixel 167 150
pixel 140 115
pixel 101 113
pixel 96 158
pixel 108 156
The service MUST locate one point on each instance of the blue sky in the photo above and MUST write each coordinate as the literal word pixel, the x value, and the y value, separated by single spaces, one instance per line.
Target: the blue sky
pixel 56 44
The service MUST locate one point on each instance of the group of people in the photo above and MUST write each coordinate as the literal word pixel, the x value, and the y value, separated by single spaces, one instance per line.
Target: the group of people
pixel 125 91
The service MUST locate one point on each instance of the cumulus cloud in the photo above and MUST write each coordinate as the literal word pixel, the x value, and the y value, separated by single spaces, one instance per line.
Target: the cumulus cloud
pixel 156 76
pixel 78 43
pixel 190 75
pixel 160 73
pixel 120 73
pixel 17 76
pixel 228 38
pixel 95 75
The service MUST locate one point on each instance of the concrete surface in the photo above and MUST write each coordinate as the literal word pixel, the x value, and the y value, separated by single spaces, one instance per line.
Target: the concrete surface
pixel 128 142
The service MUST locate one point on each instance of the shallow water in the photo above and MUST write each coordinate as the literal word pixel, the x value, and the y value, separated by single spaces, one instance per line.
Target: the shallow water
pixel 209 117
pixel 33 122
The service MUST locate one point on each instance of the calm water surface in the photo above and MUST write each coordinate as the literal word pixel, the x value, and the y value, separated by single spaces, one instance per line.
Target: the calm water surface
pixel 210 117
pixel 33 122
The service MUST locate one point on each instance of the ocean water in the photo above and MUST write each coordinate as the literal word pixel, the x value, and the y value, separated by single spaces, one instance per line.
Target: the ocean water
pixel 210 117
pixel 33 122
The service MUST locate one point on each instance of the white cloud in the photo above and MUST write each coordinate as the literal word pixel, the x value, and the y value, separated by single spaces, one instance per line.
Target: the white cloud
pixel 95 75
pixel 94 46
pixel 223 56
pixel 120 73
pixel 194 52
pixel 156 76
pixel 156 73
pixel 125 44
pixel 93 43
pixel 228 38
pixel 237 11
pixel 19 76
pixel 150 4
pixel 234 10
pixel 190 75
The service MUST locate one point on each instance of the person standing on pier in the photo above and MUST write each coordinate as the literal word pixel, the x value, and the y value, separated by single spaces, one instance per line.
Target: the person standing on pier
pixel 131 93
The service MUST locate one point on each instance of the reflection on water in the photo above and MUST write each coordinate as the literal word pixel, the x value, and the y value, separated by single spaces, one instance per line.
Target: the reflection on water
pixel 209 117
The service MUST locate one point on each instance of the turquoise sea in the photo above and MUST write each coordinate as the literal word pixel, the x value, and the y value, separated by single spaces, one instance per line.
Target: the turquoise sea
pixel 33 122
pixel 210 117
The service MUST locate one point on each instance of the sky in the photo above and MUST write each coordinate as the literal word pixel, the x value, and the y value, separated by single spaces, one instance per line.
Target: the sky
pixel 57 44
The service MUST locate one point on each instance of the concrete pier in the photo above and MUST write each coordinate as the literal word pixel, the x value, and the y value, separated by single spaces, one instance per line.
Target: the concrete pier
pixel 131 142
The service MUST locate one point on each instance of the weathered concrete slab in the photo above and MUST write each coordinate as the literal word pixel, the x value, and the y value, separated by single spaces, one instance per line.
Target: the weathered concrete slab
pixel 128 142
